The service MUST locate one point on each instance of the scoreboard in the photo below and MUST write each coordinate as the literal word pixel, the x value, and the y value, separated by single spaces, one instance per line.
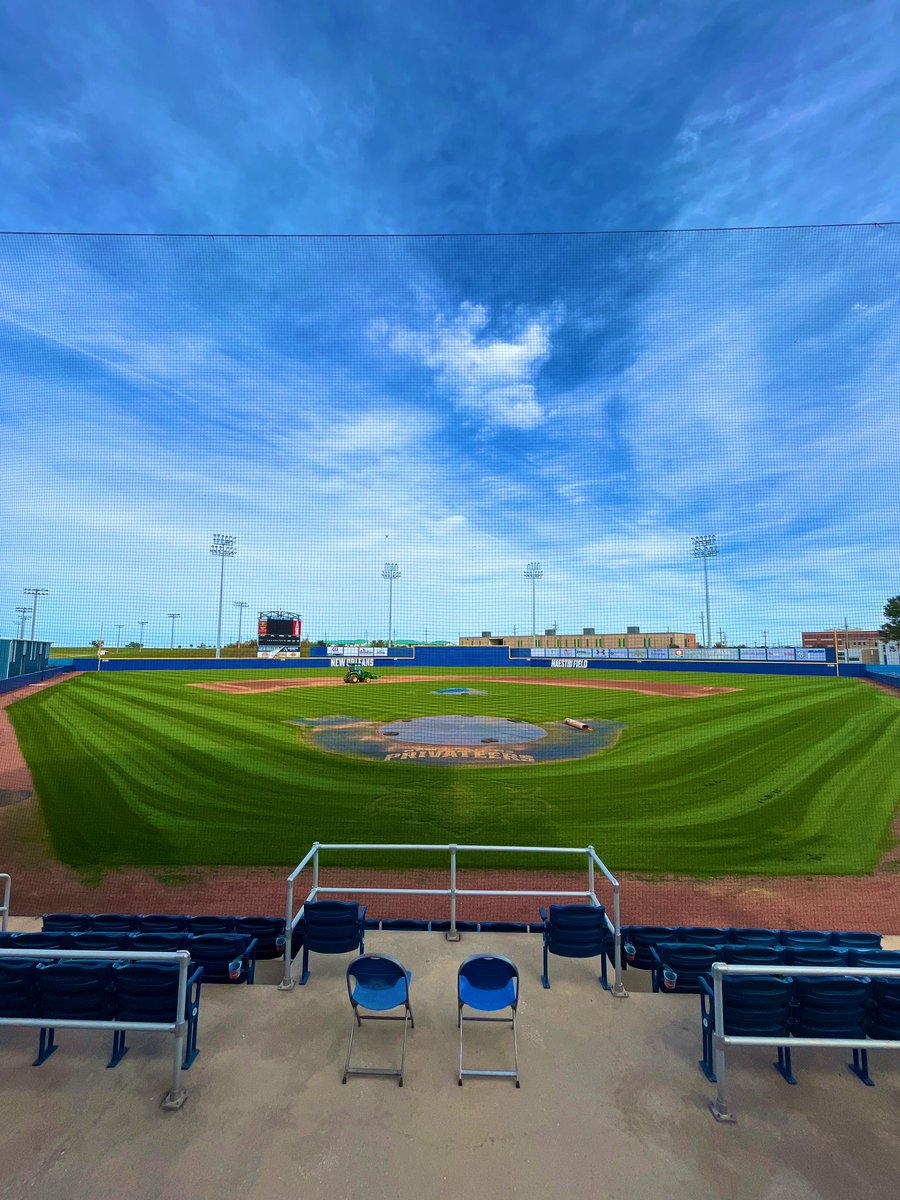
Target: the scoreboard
pixel 279 629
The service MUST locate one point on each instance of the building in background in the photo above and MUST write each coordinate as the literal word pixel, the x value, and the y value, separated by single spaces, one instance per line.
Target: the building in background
pixel 854 645
pixel 588 639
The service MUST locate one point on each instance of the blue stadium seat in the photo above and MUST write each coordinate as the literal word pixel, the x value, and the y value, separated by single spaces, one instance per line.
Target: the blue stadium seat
pixel 576 931
pixel 804 937
pixel 212 924
pixel 66 922
pixel 331 927
pixel 225 957
pixel 751 955
pixel 873 958
pixel 816 956
pixel 408 924
pixel 18 990
pixel 503 927
pixel 100 941
pixel 268 932
pixel 885 1009
pixel 752 937
pixel 162 923
pixel 444 926
pixel 637 941
pixel 857 940
pixel 80 990
pixel 42 941
pixel 160 942
pixel 149 992
pixel 835 1008
pixel 680 966
pixel 752 1006
pixel 115 922
pixel 701 935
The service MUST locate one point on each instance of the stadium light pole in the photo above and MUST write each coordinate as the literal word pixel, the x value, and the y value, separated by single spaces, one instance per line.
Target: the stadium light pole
pixel 240 605
pixel 141 625
pixel 173 617
pixel 705 547
pixel 390 572
pixel 119 629
pixel 22 614
pixel 35 592
pixel 534 573
pixel 222 547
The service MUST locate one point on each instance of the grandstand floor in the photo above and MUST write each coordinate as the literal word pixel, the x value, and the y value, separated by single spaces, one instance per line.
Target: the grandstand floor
pixel 612 1102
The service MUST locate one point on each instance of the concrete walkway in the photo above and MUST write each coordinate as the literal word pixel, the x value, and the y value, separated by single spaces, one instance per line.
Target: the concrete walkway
pixel 612 1103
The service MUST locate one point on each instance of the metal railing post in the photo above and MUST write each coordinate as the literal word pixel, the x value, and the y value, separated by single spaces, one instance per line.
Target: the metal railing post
pixel 4 913
pixel 719 1107
pixel 315 882
pixel 286 982
pixel 178 1094
pixel 618 991
pixel 590 865
pixel 453 932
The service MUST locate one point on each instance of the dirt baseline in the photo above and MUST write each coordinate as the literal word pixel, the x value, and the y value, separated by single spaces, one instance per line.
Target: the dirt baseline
pixel 686 691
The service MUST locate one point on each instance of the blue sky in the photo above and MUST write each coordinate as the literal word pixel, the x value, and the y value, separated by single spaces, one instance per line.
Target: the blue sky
pixel 458 404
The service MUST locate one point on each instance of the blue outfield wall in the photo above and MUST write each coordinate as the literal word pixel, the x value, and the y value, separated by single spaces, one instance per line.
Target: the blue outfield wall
pixel 476 656
pixel 888 674
pixel 24 681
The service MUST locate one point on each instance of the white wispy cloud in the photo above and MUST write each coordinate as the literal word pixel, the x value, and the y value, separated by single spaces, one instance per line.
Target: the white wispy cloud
pixel 488 376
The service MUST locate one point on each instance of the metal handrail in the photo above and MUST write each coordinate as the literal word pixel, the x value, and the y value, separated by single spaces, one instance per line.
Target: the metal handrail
pixel 453 891
pixel 720 1107
pixel 4 907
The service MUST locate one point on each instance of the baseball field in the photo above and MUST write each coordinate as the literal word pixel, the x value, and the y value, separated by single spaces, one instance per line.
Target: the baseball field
pixel 710 774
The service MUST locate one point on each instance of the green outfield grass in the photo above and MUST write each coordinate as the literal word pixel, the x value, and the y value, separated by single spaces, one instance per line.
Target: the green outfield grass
pixel 786 776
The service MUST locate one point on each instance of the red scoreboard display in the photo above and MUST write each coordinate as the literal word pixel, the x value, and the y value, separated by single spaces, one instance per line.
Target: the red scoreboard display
pixel 279 630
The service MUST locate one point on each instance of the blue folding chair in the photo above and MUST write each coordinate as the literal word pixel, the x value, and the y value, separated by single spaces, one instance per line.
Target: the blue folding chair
pixel 378 983
pixel 487 983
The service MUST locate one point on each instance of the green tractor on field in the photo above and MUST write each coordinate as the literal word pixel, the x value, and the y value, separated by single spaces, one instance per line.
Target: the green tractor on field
pixel 358 674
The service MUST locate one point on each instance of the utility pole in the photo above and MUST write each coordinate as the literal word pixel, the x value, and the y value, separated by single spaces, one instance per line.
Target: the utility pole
pixel 173 617
pixel 141 634
pixel 119 628
pixel 22 614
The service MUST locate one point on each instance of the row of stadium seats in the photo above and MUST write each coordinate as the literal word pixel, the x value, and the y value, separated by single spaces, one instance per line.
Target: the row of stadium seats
pixel 83 990
pixel 813 1007
pixel 268 931
pixel 638 940
pixel 680 966
pixel 225 957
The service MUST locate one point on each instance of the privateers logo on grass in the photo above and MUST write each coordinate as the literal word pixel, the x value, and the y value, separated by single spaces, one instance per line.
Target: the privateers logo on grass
pixel 461 740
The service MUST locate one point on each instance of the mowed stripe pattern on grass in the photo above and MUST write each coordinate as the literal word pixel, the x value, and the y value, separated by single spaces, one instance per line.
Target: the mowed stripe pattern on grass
pixel 783 776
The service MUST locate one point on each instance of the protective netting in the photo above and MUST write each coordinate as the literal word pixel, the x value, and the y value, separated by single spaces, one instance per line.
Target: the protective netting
pixel 670 459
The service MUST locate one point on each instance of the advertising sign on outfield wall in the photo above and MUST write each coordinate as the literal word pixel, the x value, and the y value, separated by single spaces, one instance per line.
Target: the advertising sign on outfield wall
pixel 568 662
